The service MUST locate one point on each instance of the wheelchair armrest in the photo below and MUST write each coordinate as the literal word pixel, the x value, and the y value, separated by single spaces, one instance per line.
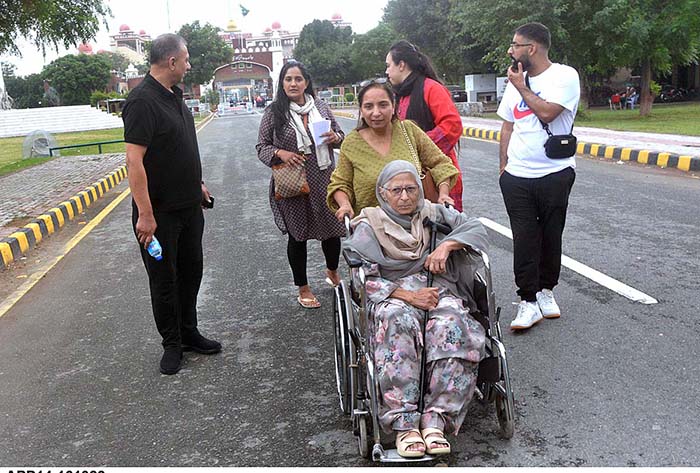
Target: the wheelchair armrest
pixel 352 259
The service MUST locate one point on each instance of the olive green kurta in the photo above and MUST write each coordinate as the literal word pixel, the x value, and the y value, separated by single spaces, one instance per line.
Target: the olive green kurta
pixel 359 164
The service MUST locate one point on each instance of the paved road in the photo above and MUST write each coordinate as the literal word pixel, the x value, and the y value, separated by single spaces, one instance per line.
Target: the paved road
pixel 611 383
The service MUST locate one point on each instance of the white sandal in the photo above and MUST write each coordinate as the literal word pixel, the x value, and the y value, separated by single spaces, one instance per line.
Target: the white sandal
pixel 407 438
pixel 440 439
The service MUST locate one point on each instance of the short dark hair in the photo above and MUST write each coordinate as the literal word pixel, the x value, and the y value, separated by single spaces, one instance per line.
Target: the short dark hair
pixel 165 46
pixel 536 32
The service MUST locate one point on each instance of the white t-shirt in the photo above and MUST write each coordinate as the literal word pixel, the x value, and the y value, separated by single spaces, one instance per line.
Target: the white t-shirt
pixel 526 157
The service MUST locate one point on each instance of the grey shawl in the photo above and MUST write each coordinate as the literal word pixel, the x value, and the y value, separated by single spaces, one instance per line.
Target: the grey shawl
pixel 461 265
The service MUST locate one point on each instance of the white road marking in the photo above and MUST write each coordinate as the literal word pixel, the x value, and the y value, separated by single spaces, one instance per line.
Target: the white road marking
pixel 585 271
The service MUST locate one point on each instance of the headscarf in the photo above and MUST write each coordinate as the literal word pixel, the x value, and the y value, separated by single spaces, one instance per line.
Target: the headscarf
pixel 418 110
pixel 400 244
pixel 304 143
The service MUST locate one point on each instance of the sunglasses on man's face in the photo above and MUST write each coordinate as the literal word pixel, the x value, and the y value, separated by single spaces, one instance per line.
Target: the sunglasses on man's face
pixel 378 80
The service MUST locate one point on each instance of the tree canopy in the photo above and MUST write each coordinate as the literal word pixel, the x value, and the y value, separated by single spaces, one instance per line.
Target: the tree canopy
pixel 118 62
pixel 26 92
pixel 325 51
pixel 76 77
pixel 431 25
pixel 596 37
pixel 49 23
pixel 207 51
pixel 368 51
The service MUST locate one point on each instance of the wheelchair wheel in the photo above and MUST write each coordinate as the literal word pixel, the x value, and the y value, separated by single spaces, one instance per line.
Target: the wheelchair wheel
pixel 363 437
pixel 505 410
pixel 342 349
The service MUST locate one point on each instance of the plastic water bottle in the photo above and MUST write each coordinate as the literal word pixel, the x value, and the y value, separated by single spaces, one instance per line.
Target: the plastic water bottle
pixel 154 249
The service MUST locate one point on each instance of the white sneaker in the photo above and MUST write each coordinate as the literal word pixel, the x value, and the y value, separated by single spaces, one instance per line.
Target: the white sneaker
pixel 548 306
pixel 528 315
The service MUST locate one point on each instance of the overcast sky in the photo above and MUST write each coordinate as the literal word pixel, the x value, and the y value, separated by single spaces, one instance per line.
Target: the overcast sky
pixel 152 16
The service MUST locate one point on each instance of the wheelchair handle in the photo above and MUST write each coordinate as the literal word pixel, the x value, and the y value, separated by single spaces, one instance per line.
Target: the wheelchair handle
pixel 444 229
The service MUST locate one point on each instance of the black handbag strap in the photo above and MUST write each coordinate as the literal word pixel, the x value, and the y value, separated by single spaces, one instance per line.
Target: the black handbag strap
pixel 544 125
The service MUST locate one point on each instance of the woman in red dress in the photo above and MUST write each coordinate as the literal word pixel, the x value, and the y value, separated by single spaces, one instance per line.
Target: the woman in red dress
pixel 422 98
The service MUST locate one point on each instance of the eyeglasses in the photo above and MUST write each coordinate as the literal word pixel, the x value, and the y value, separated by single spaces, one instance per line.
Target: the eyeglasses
pixel 378 80
pixel 397 191
pixel 518 45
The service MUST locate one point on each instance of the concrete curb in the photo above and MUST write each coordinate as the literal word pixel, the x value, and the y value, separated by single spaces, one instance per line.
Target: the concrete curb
pixel 18 243
pixel 654 158
pixel 344 114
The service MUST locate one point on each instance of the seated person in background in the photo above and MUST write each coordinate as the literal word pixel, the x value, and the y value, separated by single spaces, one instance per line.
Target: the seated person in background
pixel 394 243
pixel 632 97
pixel 615 101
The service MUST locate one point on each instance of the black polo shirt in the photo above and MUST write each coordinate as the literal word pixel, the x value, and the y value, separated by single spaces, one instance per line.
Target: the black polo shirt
pixel 160 121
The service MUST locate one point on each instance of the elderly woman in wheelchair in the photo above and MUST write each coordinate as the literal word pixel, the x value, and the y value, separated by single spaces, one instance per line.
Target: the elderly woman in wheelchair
pixel 420 401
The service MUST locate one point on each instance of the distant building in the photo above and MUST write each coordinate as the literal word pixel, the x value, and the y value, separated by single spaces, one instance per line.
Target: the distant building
pixel 130 44
pixel 257 60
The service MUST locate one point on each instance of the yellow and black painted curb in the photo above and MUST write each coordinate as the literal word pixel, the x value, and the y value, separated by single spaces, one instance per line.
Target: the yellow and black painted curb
pixel 344 114
pixel 654 158
pixel 18 243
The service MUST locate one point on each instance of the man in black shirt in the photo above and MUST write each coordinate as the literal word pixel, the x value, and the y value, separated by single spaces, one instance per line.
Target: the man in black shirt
pixel 165 178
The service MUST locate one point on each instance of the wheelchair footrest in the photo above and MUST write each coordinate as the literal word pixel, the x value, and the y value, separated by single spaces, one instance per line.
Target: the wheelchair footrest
pixel 392 456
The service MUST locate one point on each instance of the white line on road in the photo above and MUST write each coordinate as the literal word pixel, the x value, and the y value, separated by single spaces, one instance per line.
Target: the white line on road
pixel 585 271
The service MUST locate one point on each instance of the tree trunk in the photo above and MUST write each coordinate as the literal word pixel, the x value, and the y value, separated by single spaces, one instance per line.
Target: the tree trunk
pixel 585 85
pixel 646 98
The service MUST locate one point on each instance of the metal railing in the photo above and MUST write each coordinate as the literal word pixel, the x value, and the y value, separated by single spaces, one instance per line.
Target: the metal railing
pixel 96 143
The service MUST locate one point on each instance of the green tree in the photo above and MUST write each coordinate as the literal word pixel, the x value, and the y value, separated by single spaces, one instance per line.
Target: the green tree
pixel 653 35
pixel 49 22
pixel 26 92
pixel 207 51
pixel 118 62
pixel 76 77
pixel 368 51
pixel 325 50
pixel 596 37
pixel 431 25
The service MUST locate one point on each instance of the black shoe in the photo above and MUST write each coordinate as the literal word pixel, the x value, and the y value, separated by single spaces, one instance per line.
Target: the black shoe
pixel 198 343
pixel 171 361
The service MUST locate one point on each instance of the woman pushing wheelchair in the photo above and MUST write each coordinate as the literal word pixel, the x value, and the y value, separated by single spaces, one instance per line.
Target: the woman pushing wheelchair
pixel 395 245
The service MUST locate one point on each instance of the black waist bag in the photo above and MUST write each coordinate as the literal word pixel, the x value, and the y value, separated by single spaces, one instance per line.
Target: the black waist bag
pixel 557 146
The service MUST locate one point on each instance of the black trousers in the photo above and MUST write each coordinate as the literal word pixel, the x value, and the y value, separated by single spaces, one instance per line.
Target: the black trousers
pixel 174 281
pixel 537 211
pixel 296 253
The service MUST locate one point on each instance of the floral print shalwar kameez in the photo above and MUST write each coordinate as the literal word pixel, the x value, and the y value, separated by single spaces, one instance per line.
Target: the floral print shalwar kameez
pixel 455 345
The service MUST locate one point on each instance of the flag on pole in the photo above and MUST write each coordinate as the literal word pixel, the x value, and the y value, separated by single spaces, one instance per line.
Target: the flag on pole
pixel 244 10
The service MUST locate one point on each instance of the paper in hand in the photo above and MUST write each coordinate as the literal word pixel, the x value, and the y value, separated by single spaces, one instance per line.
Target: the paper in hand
pixel 318 128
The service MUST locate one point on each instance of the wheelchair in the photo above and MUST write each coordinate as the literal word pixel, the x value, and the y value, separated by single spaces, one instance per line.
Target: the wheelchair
pixel 356 384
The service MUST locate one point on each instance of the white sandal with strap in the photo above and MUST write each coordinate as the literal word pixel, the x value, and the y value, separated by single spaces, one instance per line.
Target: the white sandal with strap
pixel 406 439
pixel 440 439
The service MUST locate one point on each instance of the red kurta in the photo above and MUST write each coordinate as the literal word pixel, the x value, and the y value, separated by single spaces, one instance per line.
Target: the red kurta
pixel 448 126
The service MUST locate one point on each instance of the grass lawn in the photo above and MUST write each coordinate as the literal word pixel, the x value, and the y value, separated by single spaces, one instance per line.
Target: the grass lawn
pixel 673 118
pixel 201 117
pixel 11 148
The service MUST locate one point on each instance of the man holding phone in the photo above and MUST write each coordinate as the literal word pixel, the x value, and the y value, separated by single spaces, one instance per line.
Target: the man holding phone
pixel 536 187
pixel 165 178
